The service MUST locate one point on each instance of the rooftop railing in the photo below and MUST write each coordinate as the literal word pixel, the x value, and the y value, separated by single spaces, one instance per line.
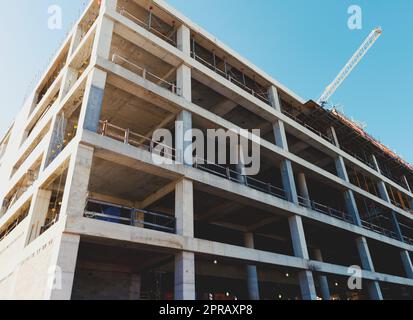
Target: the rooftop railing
pixel 151 26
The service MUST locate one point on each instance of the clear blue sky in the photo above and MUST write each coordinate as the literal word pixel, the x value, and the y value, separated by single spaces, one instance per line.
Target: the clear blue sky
pixel 302 43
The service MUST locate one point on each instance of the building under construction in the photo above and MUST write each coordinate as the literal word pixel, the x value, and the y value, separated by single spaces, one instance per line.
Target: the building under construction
pixel 87 214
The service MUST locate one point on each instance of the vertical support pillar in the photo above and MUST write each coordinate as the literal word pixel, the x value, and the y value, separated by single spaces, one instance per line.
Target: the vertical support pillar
pixel 407 263
pixel 325 290
pixel 184 208
pixel 103 39
pixel 334 137
pixel 74 43
pixel 77 181
pixel 55 139
pixel 406 182
pixel 184 82
pixel 185 276
pixel 92 100
pixel 184 261
pixel 384 194
pixel 349 198
pixel 287 174
pixel 306 279
pixel 240 165
pixel 303 189
pixel 252 274
pixel 38 213
pixel 69 80
pixel 135 287
pixel 367 264
pixel 184 39
pixel 108 5
pixel 62 268
pixel 183 138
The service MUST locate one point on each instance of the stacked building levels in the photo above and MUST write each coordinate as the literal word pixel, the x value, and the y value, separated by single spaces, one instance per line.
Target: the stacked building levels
pixel 87 213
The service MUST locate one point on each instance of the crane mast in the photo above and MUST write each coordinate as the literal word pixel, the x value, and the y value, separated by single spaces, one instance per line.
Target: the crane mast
pixel 353 62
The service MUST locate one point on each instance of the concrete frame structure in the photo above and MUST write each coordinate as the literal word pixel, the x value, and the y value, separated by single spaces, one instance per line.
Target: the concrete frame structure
pixel 49 171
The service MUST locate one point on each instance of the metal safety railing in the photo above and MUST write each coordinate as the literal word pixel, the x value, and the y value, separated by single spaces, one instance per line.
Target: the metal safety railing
pixel 134 139
pixel 231 78
pixel 130 216
pixel 145 74
pixel 308 203
pixel 235 176
pixel 128 137
pixel 150 26
pixel 379 229
pixel 317 132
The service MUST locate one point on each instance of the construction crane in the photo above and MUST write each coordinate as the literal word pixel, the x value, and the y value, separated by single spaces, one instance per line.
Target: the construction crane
pixel 353 62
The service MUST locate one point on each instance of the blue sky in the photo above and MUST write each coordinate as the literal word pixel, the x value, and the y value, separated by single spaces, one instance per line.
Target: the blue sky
pixel 302 43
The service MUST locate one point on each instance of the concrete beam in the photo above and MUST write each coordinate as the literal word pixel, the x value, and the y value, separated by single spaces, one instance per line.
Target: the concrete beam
pixel 159 194
pixel 173 243
pixel 138 159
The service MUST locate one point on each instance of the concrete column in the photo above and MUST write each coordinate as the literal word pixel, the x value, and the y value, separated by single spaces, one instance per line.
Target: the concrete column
pixel 352 208
pixel 280 137
pixel 307 286
pixel 407 263
pixel 56 137
pixel 69 80
pixel 240 166
pixel 62 269
pixel 108 5
pixel 184 208
pixel 407 184
pixel 92 100
pixel 77 181
pixel 184 82
pixel 367 264
pixel 252 274
pixel 333 135
pixel 325 290
pixel 183 138
pixel 303 189
pixel 185 276
pixel 287 176
pixel 103 39
pixel 341 168
pixel 76 38
pixel 349 198
pixel 396 226
pixel 274 98
pixel 135 287
pixel 183 35
pixel 375 163
pixel 38 213
pixel 384 194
